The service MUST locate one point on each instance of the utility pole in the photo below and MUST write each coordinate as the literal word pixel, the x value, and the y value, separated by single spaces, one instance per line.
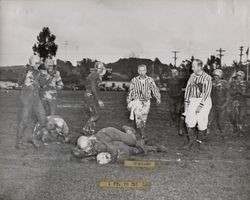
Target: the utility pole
pixel 192 58
pixel 175 57
pixel 220 54
pixel 247 62
pixel 241 54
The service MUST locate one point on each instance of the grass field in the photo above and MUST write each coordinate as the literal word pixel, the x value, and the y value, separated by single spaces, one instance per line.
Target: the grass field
pixel 220 170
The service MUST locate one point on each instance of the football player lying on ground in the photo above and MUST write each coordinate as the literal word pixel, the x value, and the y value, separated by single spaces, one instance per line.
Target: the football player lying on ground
pixel 57 131
pixel 117 144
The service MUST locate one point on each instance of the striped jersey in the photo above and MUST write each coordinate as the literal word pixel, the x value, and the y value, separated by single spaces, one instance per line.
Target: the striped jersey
pixel 198 87
pixel 141 89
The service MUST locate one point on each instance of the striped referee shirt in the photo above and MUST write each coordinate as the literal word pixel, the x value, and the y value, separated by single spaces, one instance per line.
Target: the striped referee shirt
pixel 141 88
pixel 198 87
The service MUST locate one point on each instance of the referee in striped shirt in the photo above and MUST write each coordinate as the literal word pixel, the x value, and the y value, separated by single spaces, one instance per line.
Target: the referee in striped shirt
pixel 197 103
pixel 140 92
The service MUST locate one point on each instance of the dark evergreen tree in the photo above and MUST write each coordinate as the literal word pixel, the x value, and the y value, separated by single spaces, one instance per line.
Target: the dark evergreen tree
pixel 45 46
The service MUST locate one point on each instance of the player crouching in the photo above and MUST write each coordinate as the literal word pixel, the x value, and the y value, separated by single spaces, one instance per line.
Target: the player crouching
pixel 56 131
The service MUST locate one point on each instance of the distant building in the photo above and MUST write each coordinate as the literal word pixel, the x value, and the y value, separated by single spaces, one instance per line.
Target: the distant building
pixel 114 85
pixel 8 85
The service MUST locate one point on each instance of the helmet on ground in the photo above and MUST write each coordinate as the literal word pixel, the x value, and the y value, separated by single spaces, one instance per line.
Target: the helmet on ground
pixel 240 73
pixel 34 60
pixel 100 67
pixel 218 72
pixel 84 143
pixel 103 158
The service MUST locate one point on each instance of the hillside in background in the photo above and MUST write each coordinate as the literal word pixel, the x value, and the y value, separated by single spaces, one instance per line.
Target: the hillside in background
pixel 122 70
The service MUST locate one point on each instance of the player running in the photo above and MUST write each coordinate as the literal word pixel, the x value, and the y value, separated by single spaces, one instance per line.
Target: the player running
pixel 92 97
pixel 139 96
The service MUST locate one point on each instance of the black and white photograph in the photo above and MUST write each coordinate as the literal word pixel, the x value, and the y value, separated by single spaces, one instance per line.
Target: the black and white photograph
pixel 124 100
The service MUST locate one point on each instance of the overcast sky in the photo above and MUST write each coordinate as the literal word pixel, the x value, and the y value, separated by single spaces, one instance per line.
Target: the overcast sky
pixel 111 29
